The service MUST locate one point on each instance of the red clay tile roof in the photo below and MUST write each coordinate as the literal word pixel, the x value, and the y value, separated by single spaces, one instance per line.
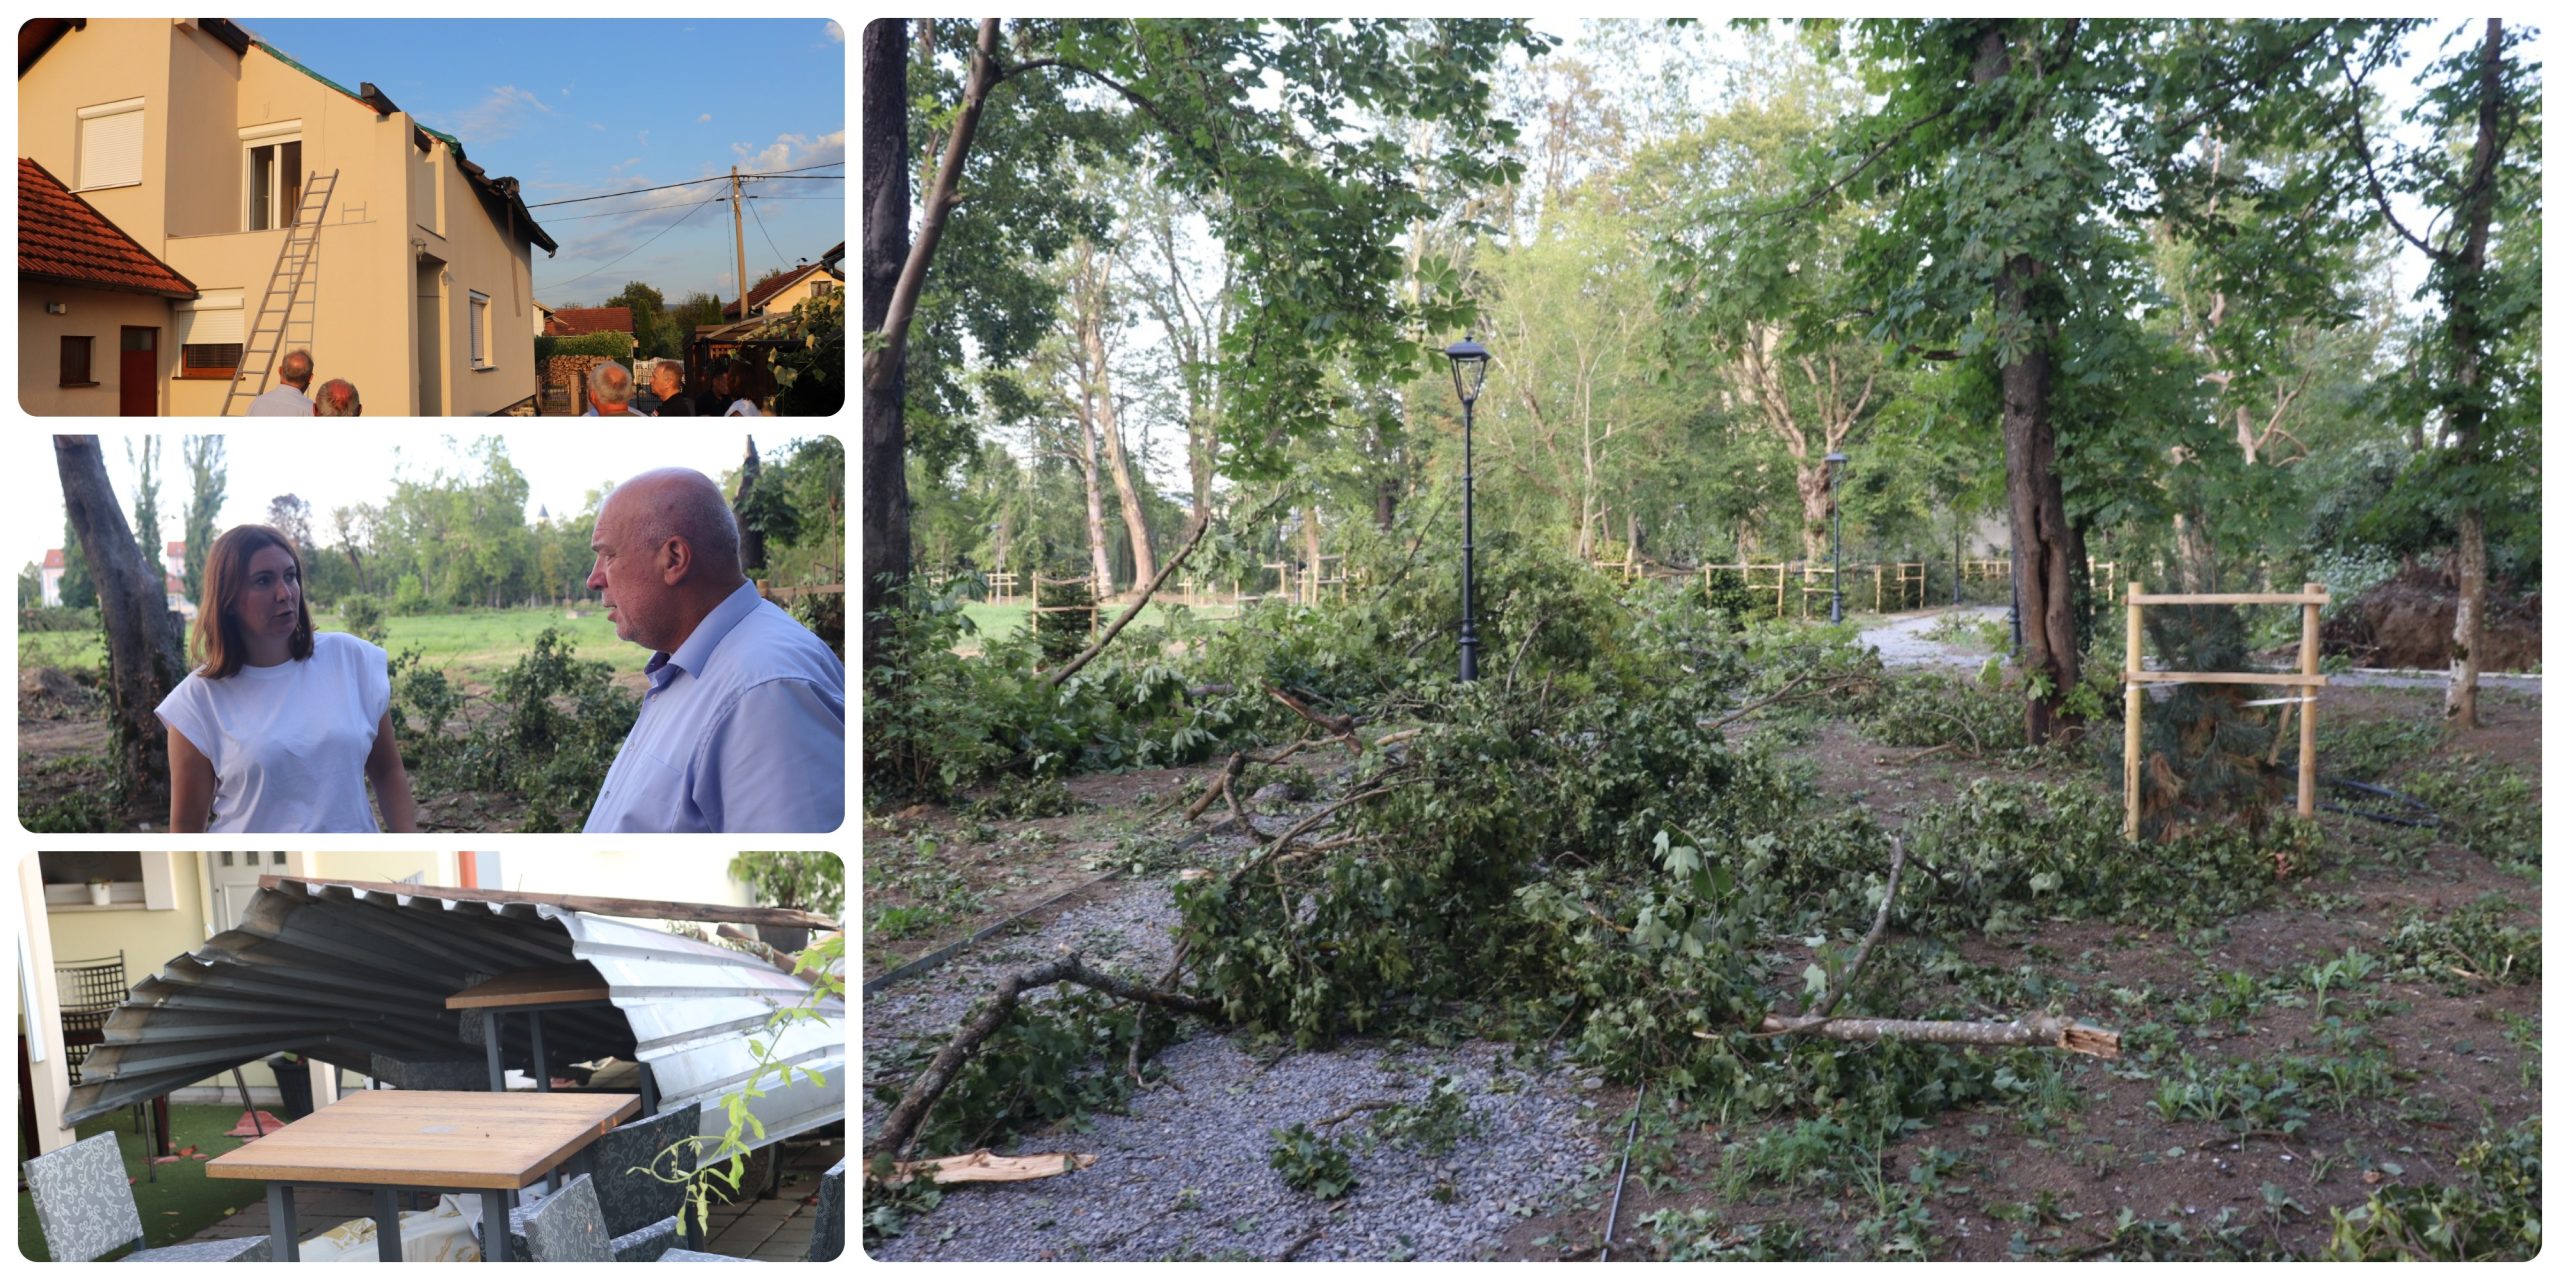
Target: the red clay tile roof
pixel 575 320
pixel 53 558
pixel 757 295
pixel 61 238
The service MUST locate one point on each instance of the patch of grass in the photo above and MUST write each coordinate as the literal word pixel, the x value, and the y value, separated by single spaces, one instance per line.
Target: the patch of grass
pixel 2494 1213
pixel 2367 750
pixel 2495 811
pixel 1816 1151
pixel 2466 946
pixel 1702 1235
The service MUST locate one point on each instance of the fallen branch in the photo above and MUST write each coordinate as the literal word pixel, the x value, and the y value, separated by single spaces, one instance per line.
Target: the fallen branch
pixel 1748 708
pixel 1076 663
pixel 1858 958
pixel 982 1165
pixel 2043 1030
pixel 1333 726
pixel 1374 1104
pixel 899 1131
pixel 1305 825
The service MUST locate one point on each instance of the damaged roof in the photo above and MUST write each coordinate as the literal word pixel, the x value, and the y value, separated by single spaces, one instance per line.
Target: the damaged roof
pixel 357 977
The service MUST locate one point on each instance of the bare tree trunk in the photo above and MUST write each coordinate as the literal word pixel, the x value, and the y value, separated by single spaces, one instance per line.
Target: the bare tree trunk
pixel 145 657
pixel 1097 535
pixel 1106 421
pixel 2462 689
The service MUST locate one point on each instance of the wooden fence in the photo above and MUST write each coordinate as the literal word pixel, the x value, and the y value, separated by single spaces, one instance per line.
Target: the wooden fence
pixel 2136 680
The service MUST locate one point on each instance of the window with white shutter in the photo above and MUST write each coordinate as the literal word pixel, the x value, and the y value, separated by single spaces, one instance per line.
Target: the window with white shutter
pixel 211 333
pixel 480 331
pixel 110 145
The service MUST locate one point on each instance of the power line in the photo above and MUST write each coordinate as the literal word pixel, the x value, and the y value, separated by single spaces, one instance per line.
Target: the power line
pixel 768 239
pixel 626 213
pixel 688 217
pixel 694 183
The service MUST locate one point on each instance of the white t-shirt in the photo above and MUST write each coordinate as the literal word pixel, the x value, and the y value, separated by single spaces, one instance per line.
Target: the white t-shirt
pixel 288 743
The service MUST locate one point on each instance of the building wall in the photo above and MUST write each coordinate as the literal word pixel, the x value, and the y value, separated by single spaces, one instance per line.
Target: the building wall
pixel 791 295
pixel 109 61
pixel 100 315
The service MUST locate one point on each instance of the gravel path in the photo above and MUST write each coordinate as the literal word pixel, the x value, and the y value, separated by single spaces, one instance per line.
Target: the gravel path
pixel 1185 1175
pixel 1901 643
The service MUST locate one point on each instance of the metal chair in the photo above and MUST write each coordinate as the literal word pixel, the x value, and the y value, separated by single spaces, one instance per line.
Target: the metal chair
pixel 640 1212
pixel 826 1230
pixel 568 1226
pixel 86 1210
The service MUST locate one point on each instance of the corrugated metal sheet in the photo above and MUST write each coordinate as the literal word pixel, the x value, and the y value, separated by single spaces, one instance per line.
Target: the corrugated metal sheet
pixel 358 978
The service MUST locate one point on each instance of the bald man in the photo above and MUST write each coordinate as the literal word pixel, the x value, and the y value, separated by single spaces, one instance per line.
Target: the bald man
pixel 292 400
pixel 742 728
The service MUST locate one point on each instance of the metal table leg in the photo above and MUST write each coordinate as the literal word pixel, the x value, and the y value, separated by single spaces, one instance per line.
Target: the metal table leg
pixel 541 1083
pixel 386 1224
pixel 283 1242
pixel 493 1220
pixel 648 1092
pixel 489 1037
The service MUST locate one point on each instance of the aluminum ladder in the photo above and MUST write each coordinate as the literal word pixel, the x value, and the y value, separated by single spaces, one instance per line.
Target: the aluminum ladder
pixel 267 342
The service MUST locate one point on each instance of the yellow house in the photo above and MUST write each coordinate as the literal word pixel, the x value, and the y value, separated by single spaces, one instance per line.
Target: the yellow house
pixel 161 906
pixel 299 213
pixel 776 297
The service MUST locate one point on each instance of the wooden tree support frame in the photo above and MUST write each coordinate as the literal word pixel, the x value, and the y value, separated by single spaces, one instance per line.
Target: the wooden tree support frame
pixel 2312 597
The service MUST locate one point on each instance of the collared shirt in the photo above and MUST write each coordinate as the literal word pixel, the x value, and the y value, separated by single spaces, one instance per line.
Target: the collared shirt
pixel 742 729
pixel 280 402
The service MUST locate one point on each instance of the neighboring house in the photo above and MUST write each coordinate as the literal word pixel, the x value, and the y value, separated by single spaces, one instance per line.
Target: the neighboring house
pixel 165 905
pixel 543 312
pixel 173 565
pixel 199 143
pixel 783 292
pixel 571 321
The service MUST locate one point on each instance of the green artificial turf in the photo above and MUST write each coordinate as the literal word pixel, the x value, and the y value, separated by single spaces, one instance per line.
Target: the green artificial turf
pixel 184 1201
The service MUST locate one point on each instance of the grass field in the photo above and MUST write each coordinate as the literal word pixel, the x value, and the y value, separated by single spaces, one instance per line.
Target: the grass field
pixel 475 645
pixel 997 621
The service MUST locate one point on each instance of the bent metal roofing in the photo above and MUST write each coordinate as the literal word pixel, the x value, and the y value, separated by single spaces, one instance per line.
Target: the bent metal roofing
pixel 358 978
pixel 61 238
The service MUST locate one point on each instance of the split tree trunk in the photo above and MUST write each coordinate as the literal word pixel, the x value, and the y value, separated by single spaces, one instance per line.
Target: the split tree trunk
pixel 2470 339
pixel 2462 690
pixel 1093 311
pixel 145 655
pixel 1097 535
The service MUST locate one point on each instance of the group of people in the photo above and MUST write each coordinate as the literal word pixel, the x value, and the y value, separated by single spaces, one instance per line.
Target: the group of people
pixel 609 392
pixel 293 399
pixel 279 728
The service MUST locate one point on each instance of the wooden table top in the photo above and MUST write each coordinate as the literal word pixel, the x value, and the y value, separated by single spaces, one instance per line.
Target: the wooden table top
pixel 568 984
pixel 430 1138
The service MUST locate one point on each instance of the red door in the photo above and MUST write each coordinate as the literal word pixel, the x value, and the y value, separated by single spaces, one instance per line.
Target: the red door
pixel 138 373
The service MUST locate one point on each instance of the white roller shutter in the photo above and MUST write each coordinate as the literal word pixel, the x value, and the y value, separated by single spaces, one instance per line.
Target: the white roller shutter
pixel 110 144
pixel 212 320
pixel 479 330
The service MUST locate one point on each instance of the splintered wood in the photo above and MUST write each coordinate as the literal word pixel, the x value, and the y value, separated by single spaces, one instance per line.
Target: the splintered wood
pixel 2041 1030
pixel 983 1165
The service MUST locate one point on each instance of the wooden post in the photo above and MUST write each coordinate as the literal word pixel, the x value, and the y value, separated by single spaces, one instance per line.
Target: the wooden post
pixel 2133 716
pixel 1782 589
pixel 2310 699
pixel 1880 587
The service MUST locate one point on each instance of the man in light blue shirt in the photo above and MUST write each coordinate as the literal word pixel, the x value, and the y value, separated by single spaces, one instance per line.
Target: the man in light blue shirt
pixel 742 728
pixel 289 400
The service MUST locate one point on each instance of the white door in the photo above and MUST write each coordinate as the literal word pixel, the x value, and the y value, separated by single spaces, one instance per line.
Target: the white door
pixel 234 877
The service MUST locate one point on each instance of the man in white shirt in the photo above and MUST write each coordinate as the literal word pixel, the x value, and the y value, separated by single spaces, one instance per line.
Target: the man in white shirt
pixel 292 399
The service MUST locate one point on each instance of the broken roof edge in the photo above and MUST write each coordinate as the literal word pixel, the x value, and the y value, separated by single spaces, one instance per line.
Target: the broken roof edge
pixel 635 908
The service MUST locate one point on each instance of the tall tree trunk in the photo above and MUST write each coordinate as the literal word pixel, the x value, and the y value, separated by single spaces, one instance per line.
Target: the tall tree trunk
pixel 145 657
pixel 886 554
pixel 2039 537
pixel 1106 412
pixel 1097 534
pixel 2469 416
pixel 1315 556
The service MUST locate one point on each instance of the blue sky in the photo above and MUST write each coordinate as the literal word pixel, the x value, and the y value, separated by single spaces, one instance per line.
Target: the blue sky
pixel 583 107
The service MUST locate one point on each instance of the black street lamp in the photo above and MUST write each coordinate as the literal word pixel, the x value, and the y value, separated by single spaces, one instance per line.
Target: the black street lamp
pixel 1467 363
pixel 1836 462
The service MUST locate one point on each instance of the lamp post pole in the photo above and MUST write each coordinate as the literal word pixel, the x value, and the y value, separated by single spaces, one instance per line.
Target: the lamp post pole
pixel 1837 462
pixel 1467 361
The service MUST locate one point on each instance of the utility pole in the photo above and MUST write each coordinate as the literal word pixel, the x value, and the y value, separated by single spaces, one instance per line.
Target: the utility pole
pixel 738 223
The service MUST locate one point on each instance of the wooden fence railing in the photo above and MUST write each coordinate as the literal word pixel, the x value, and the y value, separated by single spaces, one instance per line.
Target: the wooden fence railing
pixel 2136 680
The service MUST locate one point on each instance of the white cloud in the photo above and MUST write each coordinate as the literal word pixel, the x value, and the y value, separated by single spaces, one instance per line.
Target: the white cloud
pixel 500 114
pixel 595 126
pixel 644 137
pixel 835 32
pixel 792 151
pixel 704 118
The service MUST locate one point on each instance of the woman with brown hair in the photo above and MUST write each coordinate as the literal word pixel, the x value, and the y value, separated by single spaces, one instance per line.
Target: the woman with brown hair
pixel 279 729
